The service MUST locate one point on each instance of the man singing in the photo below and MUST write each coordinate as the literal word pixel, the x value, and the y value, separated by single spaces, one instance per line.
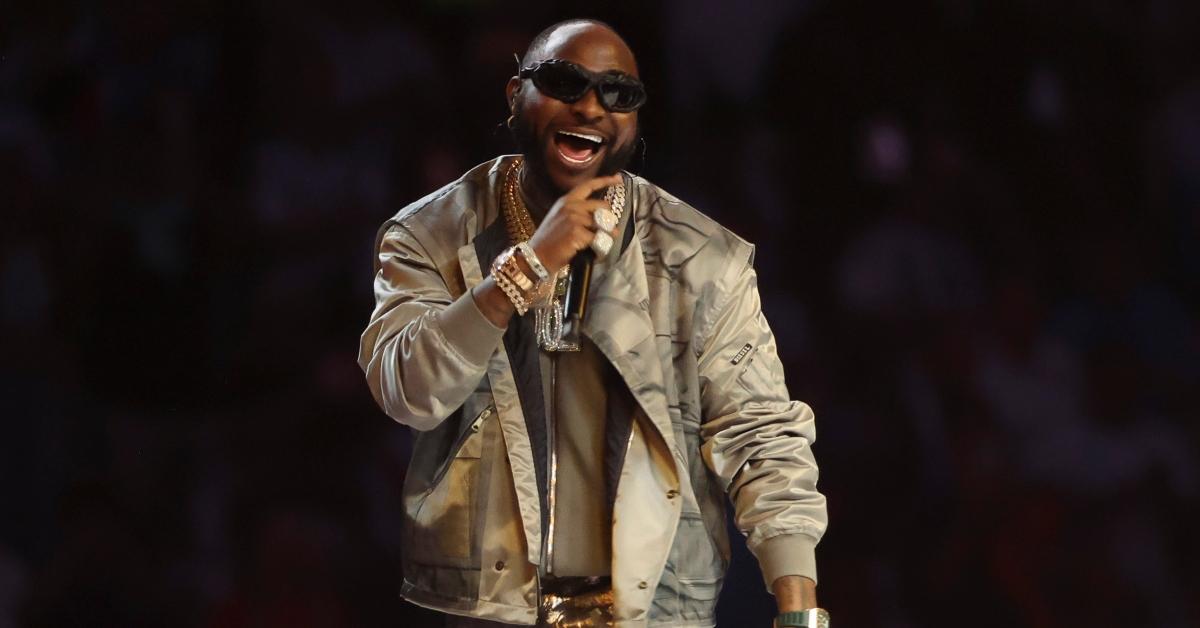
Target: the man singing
pixel 569 474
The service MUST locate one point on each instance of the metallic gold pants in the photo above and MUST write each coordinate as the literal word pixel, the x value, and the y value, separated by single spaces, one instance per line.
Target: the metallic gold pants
pixel 566 603
pixel 576 603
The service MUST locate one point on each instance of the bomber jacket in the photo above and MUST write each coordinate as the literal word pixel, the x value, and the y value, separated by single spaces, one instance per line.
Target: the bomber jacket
pixel 698 410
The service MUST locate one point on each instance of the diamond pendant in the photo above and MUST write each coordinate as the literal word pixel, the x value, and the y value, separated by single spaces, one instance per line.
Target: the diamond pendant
pixel 548 320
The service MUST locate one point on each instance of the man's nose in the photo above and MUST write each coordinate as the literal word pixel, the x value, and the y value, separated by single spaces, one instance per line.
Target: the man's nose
pixel 588 106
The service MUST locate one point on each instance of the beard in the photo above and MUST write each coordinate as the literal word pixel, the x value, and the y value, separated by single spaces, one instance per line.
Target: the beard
pixel 615 158
pixel 618 157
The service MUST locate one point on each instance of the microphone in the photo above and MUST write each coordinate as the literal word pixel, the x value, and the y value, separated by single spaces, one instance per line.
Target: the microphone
pixel 575 303
pixel 578 282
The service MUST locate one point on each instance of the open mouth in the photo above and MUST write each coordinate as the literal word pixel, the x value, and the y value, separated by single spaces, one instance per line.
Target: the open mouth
pixel 578 148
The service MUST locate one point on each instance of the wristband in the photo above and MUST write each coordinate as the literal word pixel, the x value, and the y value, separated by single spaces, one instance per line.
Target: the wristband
pixel 810 618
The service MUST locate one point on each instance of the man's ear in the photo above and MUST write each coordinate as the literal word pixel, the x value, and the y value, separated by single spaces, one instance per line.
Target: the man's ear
pixel 510 93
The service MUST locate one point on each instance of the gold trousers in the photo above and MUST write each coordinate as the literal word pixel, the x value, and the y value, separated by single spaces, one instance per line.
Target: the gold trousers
pixel 566 603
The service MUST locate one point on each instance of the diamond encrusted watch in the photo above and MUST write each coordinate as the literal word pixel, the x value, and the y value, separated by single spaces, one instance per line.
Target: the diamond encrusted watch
pixel 811 618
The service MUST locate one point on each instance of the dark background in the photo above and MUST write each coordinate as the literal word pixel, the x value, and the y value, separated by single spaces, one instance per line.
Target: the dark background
pixel 977 228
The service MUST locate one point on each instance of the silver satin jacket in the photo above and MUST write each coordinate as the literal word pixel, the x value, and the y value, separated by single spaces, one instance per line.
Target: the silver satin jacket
pixel 700 410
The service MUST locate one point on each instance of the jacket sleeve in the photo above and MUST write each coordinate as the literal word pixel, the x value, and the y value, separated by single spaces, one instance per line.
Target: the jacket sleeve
pixel 423 351
pixel 755 439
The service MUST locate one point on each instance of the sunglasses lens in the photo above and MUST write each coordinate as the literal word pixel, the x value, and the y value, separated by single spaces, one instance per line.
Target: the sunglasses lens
pixel 622 97
pixel 568 82
pixel 561 81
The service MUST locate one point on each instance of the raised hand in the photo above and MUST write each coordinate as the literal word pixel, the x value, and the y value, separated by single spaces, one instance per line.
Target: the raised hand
pixel 569 226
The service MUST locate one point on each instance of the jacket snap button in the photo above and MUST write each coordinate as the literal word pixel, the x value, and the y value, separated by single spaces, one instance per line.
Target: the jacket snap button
pixel 672 494
pixel 642 584
pixel 499 565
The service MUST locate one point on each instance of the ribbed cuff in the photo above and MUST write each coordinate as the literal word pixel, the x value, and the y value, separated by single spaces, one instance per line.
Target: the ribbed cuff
pixel 468 331
pixel 787 555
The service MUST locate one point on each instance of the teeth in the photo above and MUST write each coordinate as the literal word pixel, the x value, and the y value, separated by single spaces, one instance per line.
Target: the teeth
pixel 576 161
pixel 591 138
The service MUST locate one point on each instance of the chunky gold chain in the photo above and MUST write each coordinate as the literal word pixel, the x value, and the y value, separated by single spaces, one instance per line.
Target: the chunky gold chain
pixel 516 214
pixel 517 218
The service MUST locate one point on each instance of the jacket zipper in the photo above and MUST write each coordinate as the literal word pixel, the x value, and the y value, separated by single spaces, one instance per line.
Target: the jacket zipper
pixel 552 463
pixel 458 445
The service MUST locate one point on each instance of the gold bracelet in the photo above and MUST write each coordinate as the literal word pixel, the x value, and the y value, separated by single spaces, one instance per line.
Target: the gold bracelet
pixel 511 291
pixel 507 284
pixel 513 271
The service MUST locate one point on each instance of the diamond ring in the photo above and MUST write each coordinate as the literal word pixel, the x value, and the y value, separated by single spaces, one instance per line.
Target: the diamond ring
pixel 602 243
pixel 604 218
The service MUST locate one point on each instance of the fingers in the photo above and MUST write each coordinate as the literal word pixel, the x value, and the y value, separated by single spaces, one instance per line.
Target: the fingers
pixel 590 205
pixel 579 212
pixel 570 226
pixel 583 236
pixel 583 214
pixel 587 188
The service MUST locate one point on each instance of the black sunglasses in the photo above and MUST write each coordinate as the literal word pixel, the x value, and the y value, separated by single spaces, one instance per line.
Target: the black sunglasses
pixel 568 82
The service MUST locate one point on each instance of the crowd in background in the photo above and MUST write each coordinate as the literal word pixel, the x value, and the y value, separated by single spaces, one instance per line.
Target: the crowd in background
pixel 978 243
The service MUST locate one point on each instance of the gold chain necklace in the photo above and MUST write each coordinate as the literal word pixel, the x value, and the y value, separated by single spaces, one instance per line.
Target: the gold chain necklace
pixel 517 218
pixel 516 214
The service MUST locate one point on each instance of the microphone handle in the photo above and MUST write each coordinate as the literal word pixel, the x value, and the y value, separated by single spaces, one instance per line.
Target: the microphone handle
pixel 580 279
pixel 575 304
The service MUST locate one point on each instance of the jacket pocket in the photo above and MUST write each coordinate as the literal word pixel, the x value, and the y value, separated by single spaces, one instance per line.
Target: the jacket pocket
pixel 761 372
pixel 442 523
pixel 692 579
